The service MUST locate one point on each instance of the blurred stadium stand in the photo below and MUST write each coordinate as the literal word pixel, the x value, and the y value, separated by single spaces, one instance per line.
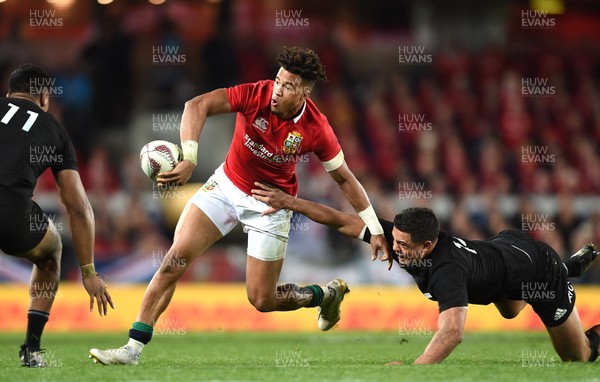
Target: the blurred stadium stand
pixel 469 164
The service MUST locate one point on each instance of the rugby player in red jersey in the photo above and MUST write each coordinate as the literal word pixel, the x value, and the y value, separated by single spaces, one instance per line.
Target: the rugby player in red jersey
pixel 276 124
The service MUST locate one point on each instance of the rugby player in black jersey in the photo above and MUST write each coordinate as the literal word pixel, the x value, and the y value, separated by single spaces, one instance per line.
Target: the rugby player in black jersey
pixel 31 141
pixel 509 269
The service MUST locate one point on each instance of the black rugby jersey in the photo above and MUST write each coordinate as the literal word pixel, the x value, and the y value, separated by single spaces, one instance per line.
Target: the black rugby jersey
pixel 459 272
pixel 31 140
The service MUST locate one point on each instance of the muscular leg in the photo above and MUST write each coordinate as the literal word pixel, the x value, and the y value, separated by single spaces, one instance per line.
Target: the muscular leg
pixel 194 234
pixel 510 308
pixel 46 269
pixel 264 293
pixel 43 284
pixel 569 341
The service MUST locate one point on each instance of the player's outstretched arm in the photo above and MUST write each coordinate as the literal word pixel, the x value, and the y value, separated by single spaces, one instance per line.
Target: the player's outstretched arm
pixel 347 224
pixel 193 118
pixel 81 221
pixel 356 195
pixel 451 324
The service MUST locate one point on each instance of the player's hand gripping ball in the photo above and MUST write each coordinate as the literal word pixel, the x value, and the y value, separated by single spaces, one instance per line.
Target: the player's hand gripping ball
pixel 159 156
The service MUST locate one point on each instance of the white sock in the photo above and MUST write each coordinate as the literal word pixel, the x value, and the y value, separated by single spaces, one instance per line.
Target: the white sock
pixel 136 345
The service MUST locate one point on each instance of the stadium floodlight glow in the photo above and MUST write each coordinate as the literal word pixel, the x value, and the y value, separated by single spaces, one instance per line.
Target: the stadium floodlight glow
pixel 156 2
pixel 61 3
pixel 553 7
pixel 104 2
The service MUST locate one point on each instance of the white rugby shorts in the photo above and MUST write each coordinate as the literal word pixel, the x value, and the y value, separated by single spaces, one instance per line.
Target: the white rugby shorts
pixel 226 206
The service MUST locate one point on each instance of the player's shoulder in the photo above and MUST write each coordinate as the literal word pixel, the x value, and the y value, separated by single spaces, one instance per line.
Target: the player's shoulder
pixel 262 85
pixel 443 248
pixel 260 91
pixel 444 236
pixel 253 88
pixel 41 116
pixel 314 115
pixel 51 125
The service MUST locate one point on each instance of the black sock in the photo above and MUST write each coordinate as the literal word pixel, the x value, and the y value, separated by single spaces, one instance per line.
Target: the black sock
pixel 317 294
pixel 141 332
pixel 572 267
pixel 36 320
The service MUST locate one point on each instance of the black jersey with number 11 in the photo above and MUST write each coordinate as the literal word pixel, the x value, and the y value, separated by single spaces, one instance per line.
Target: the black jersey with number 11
pixel 31 141
pixel 459 272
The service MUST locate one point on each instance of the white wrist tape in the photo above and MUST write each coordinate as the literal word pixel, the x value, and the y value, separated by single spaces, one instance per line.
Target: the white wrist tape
pixel 370 218
pixel 190 151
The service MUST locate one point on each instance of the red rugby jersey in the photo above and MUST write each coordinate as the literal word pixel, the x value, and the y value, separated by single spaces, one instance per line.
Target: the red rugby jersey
pixel 266 148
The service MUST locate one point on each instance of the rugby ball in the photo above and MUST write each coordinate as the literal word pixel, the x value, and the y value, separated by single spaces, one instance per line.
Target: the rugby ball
pixel 159 156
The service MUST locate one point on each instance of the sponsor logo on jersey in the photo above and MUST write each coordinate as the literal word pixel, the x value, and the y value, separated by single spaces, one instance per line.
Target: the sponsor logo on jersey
pixel 570 292
pixel 209 185
pixel 291 145
pixel 559 313
pixel 261 124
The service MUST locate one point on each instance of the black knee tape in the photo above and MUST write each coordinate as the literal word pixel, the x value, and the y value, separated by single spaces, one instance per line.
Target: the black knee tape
pixel 594 342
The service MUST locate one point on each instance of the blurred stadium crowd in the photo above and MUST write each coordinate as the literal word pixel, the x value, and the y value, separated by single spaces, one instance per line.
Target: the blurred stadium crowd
pixel 482 153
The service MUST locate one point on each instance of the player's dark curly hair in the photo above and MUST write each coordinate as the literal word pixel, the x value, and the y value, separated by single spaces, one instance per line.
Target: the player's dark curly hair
pixel 26 78
pixel 421 223
pixel 303 62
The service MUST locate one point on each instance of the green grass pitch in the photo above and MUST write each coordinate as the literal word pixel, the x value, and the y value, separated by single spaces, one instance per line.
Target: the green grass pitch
pixel 332 356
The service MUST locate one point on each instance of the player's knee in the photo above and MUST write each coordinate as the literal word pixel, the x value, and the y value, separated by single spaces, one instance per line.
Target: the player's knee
pixel 509 314
pixel 57 249
pixel 509 310
pixel 572 357
pixel 173 265
pixel 47 256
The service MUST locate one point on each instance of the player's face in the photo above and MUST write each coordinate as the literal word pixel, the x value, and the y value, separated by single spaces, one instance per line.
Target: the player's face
pixel 408 252
pixel 289 94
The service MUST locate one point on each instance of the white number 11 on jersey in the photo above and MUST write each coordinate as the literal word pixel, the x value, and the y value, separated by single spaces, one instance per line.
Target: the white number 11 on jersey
pixel 13 110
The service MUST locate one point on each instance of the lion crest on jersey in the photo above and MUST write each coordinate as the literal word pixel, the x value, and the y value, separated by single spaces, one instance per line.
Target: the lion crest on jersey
pixel 291 145
pixel 209 185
